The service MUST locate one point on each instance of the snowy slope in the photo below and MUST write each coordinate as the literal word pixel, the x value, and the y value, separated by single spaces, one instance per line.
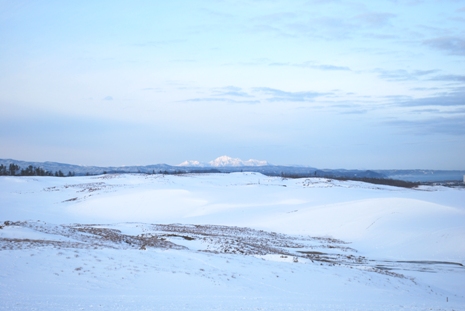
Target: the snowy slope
pixel 229 242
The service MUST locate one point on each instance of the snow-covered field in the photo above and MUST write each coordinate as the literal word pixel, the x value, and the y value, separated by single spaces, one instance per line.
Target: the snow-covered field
pixel 239 241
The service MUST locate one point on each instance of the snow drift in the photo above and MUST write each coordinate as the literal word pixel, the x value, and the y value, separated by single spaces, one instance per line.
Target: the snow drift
pixel 228 241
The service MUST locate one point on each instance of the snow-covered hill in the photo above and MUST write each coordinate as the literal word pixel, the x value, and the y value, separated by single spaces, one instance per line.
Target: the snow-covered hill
pixel 228 242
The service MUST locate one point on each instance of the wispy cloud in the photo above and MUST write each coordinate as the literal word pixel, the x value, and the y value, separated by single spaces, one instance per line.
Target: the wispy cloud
pixel 183 61
pixel 312 65
pixel 441 125
pixel 275 17
pixel 451 45
pixel 157 43
pixel 108 98
pixel 403 75
pixel 454 99
pixel 275 95
pixel 373 19
pixel 454 78
pixel 425 88
pixel 216 14
pixel 435 111
pixel 233 94
pixel 331 67
pixel 227 94
pixel 325 67
pixel 233 91
pixel 220 99
pixel 355 111
pixel 158 89
pixel 327 26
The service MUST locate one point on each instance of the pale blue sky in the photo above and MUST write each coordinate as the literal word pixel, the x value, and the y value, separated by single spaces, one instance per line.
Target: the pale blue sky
pixel 331 84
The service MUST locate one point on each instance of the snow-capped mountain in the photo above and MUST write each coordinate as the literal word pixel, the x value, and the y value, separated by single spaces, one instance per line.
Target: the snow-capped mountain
pixel 228 161
pixel 193 163
pixel 225 161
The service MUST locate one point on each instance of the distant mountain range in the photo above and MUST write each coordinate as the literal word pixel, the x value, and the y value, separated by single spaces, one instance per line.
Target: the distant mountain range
pixel 225 161
pixel 225 164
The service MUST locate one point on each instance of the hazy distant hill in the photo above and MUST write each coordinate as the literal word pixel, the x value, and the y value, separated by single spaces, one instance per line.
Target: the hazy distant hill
pixel 424 175
pixel 90 170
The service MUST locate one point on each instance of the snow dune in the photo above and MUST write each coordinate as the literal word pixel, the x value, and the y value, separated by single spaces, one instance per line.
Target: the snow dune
pixel 417 234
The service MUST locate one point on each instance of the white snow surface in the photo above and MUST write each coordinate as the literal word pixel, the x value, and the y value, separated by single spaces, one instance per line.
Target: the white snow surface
pixel 240 241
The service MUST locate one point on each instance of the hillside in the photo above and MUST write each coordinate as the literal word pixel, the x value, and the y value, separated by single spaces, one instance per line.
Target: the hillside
pixel 228 241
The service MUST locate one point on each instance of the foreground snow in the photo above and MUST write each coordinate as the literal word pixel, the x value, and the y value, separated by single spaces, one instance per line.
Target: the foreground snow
pixel 228 242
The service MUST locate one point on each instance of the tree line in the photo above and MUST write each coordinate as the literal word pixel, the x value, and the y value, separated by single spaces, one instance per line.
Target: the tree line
pixel 15 170
pixel 371 180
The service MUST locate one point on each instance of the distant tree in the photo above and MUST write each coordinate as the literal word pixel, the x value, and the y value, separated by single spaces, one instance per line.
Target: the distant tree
pixel 13 168
pixel 3 170
pixel 34 171
pixel 29 171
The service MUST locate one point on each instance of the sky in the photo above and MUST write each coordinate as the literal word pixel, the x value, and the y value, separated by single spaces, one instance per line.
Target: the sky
pixel 325 83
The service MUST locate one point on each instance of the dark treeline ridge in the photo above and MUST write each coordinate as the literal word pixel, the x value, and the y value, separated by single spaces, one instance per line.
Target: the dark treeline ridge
pixel 196 171
pixel 371 180
pixel 383 181
pixel 15 170
pixel 164 172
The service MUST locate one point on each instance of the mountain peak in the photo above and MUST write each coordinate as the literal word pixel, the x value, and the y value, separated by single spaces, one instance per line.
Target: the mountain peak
pixel 228 161
pixel 225 161
pixel 192 163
